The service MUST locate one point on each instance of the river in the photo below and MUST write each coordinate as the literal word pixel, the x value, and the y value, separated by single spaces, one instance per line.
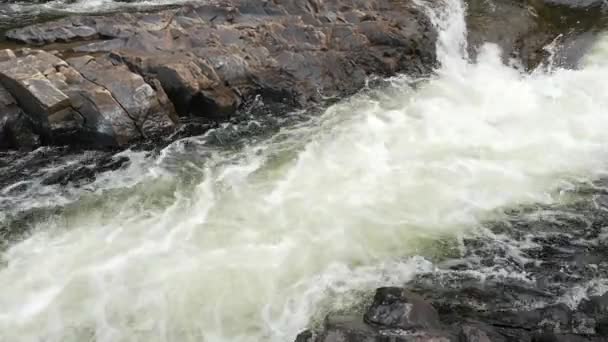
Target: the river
pixel 202 243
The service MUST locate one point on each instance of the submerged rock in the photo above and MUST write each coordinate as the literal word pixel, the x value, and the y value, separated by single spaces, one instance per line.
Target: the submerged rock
pixel 535 32
pixel 396 308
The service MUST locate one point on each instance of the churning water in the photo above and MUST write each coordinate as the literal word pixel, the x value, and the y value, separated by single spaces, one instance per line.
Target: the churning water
pixel 202 244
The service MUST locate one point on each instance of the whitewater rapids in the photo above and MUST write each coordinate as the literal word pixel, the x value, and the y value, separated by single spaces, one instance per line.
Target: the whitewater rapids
pixel 203 244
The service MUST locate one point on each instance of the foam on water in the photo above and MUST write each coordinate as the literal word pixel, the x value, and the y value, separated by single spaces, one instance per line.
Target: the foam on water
pixel 211 245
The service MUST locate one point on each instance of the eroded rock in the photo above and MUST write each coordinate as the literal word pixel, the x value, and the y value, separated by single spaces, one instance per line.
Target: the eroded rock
pixel 211 58
pixel 395 307
pixel 85 100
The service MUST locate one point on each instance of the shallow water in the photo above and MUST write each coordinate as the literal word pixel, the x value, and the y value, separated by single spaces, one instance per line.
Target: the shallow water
pixel 202 243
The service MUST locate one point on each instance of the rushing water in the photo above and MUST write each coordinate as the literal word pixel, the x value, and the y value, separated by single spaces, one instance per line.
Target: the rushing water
pixel 203 244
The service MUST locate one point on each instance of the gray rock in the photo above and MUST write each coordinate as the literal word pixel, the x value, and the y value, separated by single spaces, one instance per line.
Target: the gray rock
pixel 394 307
pixel 595 305
pixel 136 97
pixel 6 55
pixel 24 78
pixel 470 333
pixel 16 130
pixel 294 52
pixel 339 328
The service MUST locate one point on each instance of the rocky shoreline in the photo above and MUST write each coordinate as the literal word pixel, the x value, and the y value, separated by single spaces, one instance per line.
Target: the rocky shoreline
pixel 117 79
pixel 131 77
pixel 114 81
pixel 533 276
pixel 110 82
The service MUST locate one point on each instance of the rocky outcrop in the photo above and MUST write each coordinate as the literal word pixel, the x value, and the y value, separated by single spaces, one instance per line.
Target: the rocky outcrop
pixel 123 77
pixel 85 100
pixel 120 74
pixel 525 29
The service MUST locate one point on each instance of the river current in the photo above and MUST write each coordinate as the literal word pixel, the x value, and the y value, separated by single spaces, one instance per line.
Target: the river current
pixel 202 243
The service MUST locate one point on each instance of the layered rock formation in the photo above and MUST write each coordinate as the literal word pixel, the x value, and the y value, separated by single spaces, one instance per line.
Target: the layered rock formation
pixel 122 77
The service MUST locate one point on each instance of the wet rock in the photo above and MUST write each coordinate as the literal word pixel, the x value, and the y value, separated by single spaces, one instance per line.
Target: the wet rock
pixel 7 55
pixel 210 59
pixel 24 79
pixel 346 328
pixel 304 336
pixel 573 4
pixel 595 305
pixel 136 97
pixel 16 130
pixel 508 290
pixel 85 173
pixel 85 100
pixel 394 307
pixel 534 31
pixel 552 318
pixel 474 333
pixel 601 326
pixel 339 328
pixel 191 84
pixel 551 337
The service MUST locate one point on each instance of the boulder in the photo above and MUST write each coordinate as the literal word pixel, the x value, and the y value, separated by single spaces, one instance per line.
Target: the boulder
pixel 23 77
pixel 478 333
pixel 394 307
pixel 16 130
pixel 191 84
pixel 338 328
pixel 595 305
pixel 535 30
pixel 138 99
pixel 86 100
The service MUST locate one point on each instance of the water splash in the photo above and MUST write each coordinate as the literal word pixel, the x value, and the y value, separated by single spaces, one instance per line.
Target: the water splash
pixel 214 245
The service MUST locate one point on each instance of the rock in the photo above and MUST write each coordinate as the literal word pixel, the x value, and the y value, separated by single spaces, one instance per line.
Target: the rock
pixel 525 29
pixel 472 333
pixel 601 326
pixel 551 337
pixel 16 130
pixel 304 336
pixel 346 328
pixel 395 307
pixel 572 4
pixel 85 173
pixel 21 133
pixel 7 55
pixel 191 84
pixel 595 305
pixel 23 77
pixel 136 97
pixel 510 25
pixel 212 58
pixel 86 100
pixel 350 328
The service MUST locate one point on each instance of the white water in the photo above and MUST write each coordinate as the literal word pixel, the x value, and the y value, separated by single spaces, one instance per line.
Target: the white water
pixel 249 246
